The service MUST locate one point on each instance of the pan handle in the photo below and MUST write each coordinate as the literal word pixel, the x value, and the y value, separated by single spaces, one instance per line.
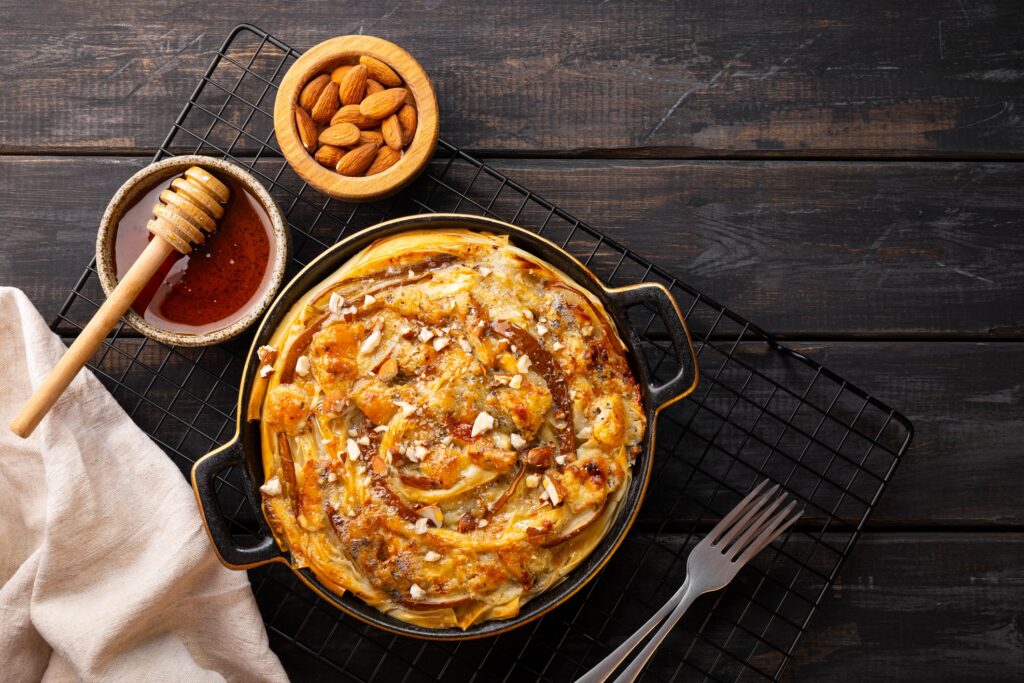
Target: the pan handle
pixel 659 298
pixel 204 479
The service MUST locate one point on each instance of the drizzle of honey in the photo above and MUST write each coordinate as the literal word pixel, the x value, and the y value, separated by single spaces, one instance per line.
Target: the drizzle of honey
pixel 215 284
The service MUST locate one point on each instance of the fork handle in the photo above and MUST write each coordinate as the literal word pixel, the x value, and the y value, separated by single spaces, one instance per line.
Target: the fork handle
pixel 630 673
pixel 606 667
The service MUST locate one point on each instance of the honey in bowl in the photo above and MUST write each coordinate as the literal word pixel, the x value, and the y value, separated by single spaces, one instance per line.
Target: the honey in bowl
pixel 215 284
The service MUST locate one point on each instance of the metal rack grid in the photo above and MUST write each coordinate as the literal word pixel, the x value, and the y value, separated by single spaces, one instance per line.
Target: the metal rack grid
pixel 760 411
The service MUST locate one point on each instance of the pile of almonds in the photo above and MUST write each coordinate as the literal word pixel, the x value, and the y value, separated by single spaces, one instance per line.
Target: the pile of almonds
pixel 357 119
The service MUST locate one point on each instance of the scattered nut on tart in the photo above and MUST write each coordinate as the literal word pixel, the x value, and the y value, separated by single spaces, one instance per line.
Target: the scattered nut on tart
pixel 416 474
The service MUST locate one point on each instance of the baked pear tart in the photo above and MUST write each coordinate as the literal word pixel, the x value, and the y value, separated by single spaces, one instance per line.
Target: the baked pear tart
pixel 448 426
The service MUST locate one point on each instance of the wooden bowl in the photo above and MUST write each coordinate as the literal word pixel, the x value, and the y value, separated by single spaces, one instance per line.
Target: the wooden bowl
pixel 325 57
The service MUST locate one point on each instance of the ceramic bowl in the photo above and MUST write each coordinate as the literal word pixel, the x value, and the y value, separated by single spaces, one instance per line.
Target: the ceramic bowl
pixel 136 187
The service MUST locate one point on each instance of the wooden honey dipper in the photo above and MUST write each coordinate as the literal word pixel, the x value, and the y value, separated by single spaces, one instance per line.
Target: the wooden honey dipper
pixel 188 212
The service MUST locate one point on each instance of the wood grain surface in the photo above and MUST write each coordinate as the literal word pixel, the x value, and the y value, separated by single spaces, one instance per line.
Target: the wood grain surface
pixel 806 249
pixel 910 607
pixel 709 78
pixel 845 174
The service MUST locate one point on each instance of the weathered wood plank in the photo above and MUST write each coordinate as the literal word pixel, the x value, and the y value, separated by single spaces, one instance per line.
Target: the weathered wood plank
pixel 966 402
pixel 962 469
pixel 706 78
pixel 818 248
pixel 814 249
pixel 939 607
pixel 50 216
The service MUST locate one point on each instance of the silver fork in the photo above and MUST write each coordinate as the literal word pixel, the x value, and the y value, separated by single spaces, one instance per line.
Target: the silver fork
pixel 748 528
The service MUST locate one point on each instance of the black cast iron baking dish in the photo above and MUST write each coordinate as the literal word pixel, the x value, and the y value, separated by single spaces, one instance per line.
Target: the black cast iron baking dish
pixel 245 450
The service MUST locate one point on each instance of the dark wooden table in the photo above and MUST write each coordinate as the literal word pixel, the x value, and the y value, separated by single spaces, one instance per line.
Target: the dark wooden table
pixel 846 174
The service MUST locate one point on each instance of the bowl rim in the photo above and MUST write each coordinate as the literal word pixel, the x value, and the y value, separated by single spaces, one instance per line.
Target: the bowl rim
pixel 322 58
pixel 572 583
pixel 140 183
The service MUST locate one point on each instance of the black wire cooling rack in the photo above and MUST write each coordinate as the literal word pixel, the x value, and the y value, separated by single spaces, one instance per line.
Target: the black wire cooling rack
pixel 761 411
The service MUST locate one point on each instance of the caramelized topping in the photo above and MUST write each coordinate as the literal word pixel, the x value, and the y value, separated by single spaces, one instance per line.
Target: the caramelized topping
pixel 437 434
pixel 543 363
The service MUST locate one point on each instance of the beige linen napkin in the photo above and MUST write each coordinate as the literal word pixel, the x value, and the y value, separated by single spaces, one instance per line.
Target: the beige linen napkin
pixel 106 573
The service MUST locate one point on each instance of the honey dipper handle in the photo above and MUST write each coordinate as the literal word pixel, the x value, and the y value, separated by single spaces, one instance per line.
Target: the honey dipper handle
pixel 79 353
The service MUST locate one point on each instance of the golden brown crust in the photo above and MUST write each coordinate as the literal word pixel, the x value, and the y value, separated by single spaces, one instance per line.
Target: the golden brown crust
pixel 448 428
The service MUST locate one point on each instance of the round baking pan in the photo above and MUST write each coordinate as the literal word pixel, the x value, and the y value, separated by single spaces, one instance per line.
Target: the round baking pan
pixel 244 448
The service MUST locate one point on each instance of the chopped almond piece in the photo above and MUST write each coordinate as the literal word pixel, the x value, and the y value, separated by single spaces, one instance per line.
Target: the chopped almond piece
pixel 482 424
pixel 541 456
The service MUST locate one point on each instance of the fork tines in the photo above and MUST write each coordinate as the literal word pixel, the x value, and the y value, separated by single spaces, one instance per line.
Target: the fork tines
pixel 753 524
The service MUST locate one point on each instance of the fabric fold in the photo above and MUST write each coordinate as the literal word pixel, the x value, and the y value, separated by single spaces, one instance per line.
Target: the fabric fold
pixel 106 572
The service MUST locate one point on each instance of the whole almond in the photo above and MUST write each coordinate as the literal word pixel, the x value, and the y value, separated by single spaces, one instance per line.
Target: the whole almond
pixel 353 85
pixel 407 117
pixel 307 129
pixel 386 158
pixel 383 104
pixel 312 91
pixel 350 114
pixel 340 135
pixel 373 87
pixel 326 104
pixel 379 71
pixel 329 155
pixel 340 72
pixel 389 370
pixel 391 129
pixel 371 136
pixel 357 161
